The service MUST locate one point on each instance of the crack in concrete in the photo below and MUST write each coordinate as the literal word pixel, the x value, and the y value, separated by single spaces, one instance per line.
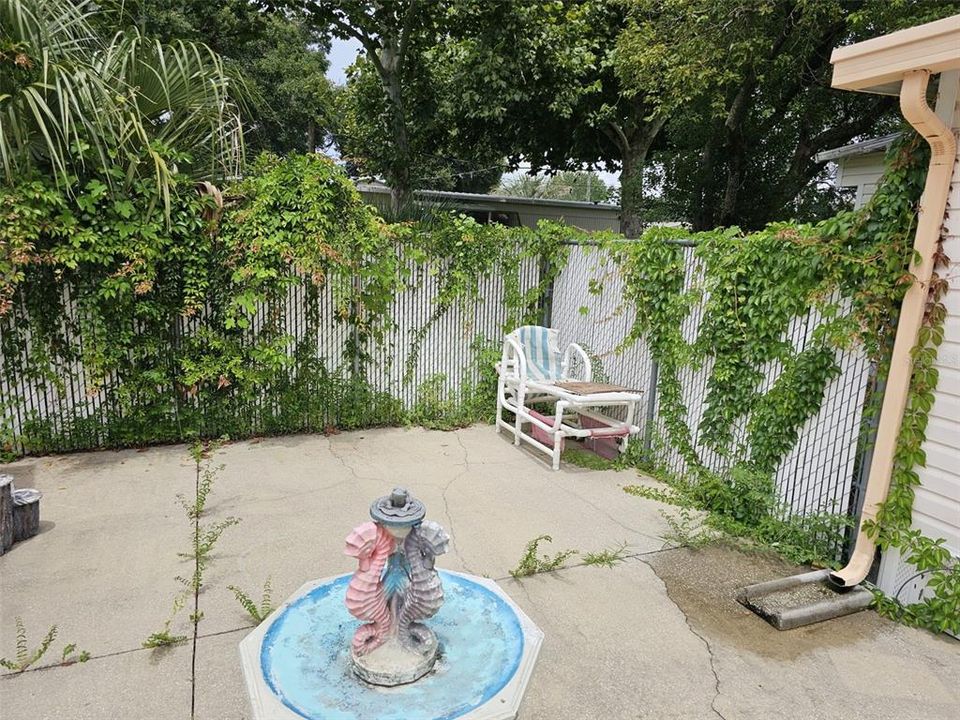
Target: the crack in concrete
pixel 446 502
pixel 713 663
pixel 349 468
pixel 706 643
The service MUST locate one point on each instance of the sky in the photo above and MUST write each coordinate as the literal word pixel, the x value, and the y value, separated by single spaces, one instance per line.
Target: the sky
pixel 344 52
pixel 342 55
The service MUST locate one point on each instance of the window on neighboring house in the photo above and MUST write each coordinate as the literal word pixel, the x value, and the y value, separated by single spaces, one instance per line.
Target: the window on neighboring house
pixel 494 217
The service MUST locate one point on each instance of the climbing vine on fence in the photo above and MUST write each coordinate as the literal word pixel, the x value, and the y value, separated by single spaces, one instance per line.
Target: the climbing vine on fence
pixel 845 274
pixel 847 270
pixel 183 326
pixel 462 252
pixel 851 272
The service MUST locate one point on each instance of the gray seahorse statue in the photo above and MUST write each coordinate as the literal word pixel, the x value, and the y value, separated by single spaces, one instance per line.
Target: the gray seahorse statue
pixel 425 593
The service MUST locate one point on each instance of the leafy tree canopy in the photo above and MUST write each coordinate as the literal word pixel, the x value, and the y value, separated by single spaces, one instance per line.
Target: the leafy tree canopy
pixel 740 149
pixel 727 101
pixel 282 59
pixel 426 105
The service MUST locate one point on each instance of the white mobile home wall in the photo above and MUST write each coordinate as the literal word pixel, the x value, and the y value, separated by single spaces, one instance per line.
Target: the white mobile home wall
pixel 862 172
pixel 936 507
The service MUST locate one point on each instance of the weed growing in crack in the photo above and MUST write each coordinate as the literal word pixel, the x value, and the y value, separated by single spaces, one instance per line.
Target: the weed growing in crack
pixel 25 657
pixel 164 638
pixel 666 496
pixel 203 539
pixel 608 557
pixel 257 612
pixel 531 563
pixel 742 510
pixel 686 530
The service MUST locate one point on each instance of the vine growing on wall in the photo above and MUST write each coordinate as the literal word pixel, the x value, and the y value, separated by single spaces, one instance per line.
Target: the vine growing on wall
pixel 938 609
pixel 463 253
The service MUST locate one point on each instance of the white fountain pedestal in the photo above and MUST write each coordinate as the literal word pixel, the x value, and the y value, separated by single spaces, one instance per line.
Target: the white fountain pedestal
pixel 297 663
pixel 393 663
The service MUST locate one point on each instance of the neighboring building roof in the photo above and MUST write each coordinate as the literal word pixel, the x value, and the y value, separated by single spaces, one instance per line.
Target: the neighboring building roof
pixel 462 197
pixel 859 148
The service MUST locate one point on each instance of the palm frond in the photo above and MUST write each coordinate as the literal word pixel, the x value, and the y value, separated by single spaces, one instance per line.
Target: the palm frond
pixel 69 99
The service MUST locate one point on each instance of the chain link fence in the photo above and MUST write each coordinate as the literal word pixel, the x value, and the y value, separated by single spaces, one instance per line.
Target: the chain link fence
pixel 822 473
pixel 64 409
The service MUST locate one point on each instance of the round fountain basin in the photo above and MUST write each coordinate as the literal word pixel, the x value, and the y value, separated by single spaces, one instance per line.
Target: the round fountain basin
pixel 297 662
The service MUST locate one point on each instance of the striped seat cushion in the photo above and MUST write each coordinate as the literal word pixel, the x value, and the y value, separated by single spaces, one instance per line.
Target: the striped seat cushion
pixel 541 347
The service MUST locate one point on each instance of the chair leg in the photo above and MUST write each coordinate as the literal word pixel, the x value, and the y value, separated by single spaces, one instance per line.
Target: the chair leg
pixel 500 390
pixel 517 429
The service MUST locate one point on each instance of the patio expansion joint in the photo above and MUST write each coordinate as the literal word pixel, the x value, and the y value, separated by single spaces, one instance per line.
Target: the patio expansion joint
pixel 10 676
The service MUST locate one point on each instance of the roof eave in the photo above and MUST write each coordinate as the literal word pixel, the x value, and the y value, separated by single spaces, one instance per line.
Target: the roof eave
pixel 878 65
pixel 498 199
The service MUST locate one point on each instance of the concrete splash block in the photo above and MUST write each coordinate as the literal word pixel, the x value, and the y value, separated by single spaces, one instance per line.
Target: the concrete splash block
pixel 804 599
pixel 297 665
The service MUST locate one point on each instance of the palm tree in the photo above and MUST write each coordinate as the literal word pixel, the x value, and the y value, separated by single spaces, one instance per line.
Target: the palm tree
pixel 565 185
pixel 71 102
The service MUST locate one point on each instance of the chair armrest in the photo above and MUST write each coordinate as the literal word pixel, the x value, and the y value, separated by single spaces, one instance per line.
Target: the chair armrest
pixel 512 352
pixel 584 359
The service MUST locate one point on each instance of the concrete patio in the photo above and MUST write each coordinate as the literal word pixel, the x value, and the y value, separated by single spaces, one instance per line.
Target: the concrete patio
pixel 657 636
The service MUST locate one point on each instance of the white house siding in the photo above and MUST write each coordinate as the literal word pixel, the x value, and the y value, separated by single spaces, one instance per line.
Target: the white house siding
pixel 601 219
pixel 936 508
pixel 862 172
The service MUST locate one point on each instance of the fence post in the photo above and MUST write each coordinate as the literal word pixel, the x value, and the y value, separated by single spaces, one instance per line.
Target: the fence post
pixel 547 302
pixel 651 405
pixel 354 329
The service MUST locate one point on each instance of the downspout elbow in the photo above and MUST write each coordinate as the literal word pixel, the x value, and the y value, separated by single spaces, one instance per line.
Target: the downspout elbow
pixel 943 152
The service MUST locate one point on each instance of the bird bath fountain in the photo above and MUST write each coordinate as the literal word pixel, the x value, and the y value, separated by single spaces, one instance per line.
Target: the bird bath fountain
pixel 396 640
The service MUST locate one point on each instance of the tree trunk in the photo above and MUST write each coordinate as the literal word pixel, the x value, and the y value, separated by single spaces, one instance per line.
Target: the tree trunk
pixel 399 171
pixel 631 196
pixel 703 210
pixel 634 151
pixel 311 137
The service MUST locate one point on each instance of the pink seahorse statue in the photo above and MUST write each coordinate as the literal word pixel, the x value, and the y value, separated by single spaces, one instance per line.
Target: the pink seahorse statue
pixel 366 599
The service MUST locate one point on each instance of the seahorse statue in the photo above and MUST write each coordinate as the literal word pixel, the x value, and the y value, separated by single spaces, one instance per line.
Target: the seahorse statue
pixel 425 593
pixel 366 598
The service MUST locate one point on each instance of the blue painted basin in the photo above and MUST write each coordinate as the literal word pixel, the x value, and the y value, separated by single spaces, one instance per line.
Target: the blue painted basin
pixel 305 657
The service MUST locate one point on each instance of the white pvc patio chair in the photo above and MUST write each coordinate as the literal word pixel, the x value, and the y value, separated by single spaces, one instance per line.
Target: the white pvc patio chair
pixel 532 370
